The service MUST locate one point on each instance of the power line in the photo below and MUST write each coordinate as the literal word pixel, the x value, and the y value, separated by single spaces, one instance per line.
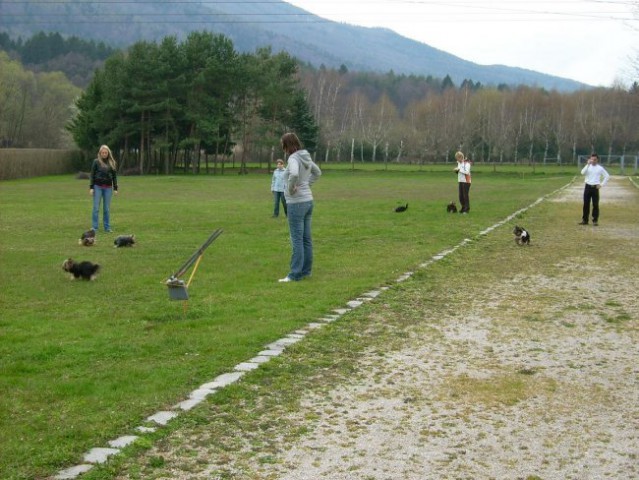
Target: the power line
pixel 473 12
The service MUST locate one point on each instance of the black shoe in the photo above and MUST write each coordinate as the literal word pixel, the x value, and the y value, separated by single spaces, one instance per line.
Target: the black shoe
pixel 595 223
pixel 582 223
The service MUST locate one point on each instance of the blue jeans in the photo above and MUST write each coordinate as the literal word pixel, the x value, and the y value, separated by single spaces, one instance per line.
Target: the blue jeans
pixel 299 223
pixel 104 194
pixel 277 198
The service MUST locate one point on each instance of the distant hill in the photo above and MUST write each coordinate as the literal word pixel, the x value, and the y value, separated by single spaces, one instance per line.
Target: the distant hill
pixel 258 24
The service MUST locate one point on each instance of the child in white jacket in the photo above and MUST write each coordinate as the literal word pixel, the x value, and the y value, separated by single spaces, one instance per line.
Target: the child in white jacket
pixel 278 185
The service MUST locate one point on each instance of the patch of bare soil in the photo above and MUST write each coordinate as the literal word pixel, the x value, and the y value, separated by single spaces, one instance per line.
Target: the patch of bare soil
pixel 537 379
pixel 617 191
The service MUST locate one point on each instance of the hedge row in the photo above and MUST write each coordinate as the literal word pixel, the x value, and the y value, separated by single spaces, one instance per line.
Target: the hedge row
pixel 35 162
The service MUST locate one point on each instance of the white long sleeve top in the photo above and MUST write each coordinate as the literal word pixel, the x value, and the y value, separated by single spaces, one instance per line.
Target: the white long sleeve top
pixel 595 174
pixel 463 169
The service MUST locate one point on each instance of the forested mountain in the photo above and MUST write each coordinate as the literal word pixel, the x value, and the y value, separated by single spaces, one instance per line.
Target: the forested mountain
pixel 251 25
pixel 51 52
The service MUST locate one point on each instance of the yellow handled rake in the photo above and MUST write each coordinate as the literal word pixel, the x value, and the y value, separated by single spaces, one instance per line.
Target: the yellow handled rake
pixel 178 290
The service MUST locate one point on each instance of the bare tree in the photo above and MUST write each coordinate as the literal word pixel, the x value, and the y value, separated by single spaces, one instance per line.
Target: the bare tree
pixel 374 121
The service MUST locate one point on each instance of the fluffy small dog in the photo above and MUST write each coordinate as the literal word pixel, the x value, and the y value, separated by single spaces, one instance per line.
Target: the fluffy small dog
pixel 451 207
pixel 402 208
pixel 124 241
pixel 88 238
pixel 84 270
pixel 522 237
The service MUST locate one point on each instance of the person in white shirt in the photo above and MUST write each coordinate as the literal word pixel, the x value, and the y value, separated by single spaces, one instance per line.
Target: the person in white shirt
pixel 596 177
pixel 463 181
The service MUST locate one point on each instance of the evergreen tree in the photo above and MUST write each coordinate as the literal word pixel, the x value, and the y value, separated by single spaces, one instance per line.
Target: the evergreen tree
pixel 447 83
pixel 302 122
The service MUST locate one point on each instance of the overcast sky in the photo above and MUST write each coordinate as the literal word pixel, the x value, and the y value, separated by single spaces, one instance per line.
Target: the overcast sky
pixel 589 41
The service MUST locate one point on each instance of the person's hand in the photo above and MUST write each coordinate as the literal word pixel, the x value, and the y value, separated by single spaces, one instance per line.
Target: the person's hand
pixel 598 187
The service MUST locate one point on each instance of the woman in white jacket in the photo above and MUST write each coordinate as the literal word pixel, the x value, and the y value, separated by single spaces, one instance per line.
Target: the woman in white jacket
pixel 301 173
pixel 463 181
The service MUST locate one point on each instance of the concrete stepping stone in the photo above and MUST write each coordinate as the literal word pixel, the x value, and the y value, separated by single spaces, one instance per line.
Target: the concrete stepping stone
pixel 143 429
pixel 246 366
pixel 162 418
pixel 100 455
pixel 187 405
pixel 73 472
pixel 122 442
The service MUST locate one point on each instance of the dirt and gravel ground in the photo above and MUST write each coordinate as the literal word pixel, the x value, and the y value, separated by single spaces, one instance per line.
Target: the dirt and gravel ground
pixel 498 362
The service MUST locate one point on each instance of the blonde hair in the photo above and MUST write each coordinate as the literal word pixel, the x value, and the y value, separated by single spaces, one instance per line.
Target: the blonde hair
pixel 459 156
pixel 110 160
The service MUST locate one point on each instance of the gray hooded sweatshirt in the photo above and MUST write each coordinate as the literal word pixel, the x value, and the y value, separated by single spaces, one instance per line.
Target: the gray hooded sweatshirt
pixel 301 173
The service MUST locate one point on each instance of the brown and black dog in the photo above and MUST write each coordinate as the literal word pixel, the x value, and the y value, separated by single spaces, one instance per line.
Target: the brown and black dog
pixel 84 270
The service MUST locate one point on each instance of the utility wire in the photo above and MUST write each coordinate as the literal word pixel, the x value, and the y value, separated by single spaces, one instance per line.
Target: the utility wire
pixel 473 12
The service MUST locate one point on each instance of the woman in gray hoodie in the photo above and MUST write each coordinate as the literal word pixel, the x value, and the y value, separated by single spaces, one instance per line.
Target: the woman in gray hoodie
pixel 301 173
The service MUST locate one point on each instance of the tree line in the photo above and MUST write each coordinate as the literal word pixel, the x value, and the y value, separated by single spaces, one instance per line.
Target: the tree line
pixel 169 102
pixel 49 52
pixel 172 102
pixel 42 47
pixel 405 119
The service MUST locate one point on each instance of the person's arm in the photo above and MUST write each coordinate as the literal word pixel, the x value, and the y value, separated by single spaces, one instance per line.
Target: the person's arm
pixel 293 175
pixel 114 177
pixel 585 169
pixel 606 176
pixel 315 173
pixel 273 182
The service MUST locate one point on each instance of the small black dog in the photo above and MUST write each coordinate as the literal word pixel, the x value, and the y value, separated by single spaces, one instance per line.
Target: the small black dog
pixel 124 241
pixel 88 238
pixel 402 208
pixel 84 270
pixel 521 235
pixel 451 207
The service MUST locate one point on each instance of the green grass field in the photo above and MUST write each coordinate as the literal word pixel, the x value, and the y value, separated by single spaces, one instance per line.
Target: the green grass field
pixel 82 363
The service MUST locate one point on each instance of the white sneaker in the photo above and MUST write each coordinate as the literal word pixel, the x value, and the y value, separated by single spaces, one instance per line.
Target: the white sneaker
pixel 285 279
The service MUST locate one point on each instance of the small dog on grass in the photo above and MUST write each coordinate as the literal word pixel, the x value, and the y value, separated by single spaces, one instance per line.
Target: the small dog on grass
pixel 402 208
pixel 124 241
pixel 451 207
pixel 88 238
pixel 84 270
pixel 522 237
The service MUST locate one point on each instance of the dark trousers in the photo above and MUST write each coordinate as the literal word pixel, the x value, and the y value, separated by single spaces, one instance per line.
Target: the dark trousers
pixel 591 194
pixel 464 197
pixel 277 198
